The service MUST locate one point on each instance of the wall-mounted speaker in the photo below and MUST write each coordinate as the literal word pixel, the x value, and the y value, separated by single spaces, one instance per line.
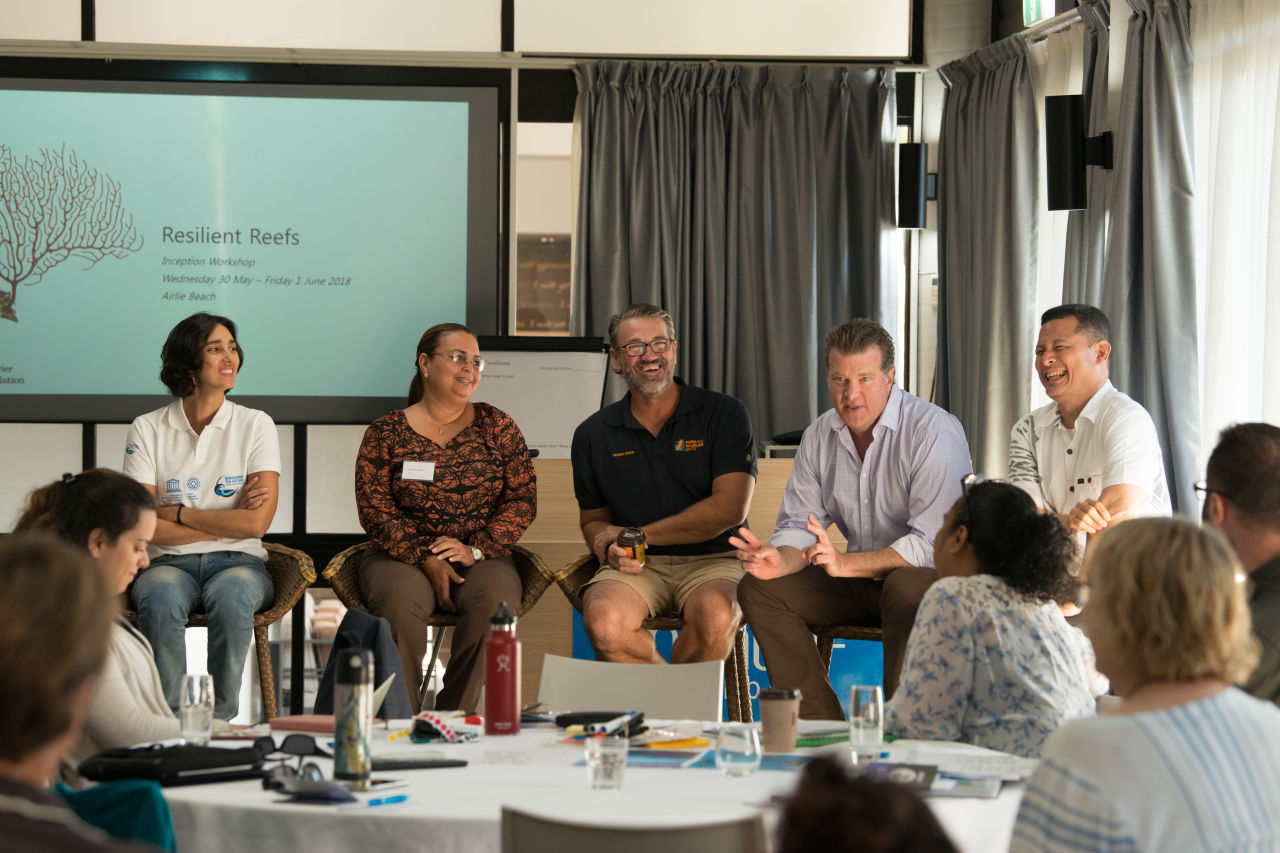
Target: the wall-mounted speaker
pixel 912 161
pixel 1068 151
pixel 1064 136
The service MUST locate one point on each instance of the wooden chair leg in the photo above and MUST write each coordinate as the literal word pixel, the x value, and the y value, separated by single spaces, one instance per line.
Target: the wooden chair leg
pixel 737 680
pixel 266 676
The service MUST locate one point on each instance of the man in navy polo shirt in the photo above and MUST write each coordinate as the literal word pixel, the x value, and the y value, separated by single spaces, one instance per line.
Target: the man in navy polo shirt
pixel 679 463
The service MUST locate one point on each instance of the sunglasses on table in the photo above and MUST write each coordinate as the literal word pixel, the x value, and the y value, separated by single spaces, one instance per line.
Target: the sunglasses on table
pixel 300 746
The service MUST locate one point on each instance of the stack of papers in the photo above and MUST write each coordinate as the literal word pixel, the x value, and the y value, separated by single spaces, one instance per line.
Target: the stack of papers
pixel 997 765
pixel 950 770
pixel 678 737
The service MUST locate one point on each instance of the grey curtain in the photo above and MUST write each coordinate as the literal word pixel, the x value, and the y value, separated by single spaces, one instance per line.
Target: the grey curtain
pixel 1150 276
pixel 988 219
pixel 754 203
pixel 1087 229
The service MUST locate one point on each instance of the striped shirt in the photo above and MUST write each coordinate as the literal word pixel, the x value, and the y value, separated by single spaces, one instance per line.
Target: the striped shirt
pixel 1201 776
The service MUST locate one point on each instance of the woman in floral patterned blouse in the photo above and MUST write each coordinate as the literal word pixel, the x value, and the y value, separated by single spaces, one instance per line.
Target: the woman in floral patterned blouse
pixel 444 488
pixel 991 660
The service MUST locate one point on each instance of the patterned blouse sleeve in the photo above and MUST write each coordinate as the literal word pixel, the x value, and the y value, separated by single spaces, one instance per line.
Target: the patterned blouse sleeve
pixel 937 676
pixel 387 526
pixel 518 503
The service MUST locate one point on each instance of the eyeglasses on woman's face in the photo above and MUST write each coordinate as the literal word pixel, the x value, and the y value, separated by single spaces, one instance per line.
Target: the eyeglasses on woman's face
pixel 459 357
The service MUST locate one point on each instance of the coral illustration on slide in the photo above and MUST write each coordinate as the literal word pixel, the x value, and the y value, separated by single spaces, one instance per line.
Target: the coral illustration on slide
pixel 52 208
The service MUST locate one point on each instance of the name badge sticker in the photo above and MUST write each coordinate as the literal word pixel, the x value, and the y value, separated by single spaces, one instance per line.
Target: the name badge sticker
pixel 418 471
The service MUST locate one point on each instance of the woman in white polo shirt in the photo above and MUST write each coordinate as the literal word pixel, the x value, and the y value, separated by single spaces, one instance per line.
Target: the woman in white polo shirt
pixel 215 469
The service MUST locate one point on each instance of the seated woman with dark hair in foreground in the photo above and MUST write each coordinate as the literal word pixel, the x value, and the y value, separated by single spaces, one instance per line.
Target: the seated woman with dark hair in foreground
pixel 112 518
pixel 832 812
pixel 991 661
pixel 1186 761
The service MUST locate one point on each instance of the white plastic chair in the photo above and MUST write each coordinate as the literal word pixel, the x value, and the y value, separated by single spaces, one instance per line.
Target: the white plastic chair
pixel 528 833
pixel 681 691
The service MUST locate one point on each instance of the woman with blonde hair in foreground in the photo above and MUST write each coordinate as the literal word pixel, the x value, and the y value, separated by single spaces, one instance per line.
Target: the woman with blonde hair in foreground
pixel 1186 761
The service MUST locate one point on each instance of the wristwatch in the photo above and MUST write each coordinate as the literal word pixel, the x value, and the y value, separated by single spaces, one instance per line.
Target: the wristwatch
pixel 476 554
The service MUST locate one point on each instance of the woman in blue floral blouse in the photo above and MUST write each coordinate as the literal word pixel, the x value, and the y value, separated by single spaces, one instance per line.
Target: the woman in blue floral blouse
pixel 991 661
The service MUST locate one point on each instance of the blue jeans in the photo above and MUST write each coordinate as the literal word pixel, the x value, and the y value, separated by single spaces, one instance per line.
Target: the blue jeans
pixel 228 587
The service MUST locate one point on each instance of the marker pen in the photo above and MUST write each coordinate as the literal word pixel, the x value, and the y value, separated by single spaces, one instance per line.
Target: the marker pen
pixel 387 801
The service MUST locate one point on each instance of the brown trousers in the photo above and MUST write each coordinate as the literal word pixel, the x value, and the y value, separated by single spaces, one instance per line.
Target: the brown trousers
pixel 781 610
pixel 402 595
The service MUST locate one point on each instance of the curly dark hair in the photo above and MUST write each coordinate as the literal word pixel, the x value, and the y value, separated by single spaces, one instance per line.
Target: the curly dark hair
pixel 834 812
pixel 183 353
pixel 1030 551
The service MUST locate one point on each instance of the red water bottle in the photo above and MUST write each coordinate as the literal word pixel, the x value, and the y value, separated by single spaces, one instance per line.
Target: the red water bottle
pixel 502 675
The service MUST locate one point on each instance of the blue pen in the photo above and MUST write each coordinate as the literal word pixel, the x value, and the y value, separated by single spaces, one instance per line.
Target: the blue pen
pixel 386 801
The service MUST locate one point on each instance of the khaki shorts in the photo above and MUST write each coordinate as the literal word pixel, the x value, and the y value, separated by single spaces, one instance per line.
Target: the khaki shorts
pixel 667 581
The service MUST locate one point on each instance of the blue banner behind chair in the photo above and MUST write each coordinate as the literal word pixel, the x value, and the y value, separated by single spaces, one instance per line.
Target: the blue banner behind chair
pixel 852 662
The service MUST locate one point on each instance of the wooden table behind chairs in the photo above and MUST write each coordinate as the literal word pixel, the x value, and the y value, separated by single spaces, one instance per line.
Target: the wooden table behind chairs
pixel 450 810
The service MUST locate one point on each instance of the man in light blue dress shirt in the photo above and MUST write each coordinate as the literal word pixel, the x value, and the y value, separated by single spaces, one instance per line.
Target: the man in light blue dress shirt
pixel 884 466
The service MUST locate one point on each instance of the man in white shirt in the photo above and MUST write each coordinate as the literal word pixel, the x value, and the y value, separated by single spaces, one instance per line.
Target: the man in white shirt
pixel 1092 455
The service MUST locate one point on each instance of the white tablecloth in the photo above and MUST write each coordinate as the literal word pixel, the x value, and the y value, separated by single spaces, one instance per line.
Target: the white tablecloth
pixel 458 809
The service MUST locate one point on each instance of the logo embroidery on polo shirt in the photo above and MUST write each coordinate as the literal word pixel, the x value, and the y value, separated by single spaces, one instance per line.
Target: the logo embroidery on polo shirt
pixel 171 487
pixel 688 445
pixel 193 484
pixel 226 485
pixel 131 448
pixel 623 453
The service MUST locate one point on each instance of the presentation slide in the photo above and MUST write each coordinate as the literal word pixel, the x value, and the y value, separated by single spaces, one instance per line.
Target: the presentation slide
pixel 331 225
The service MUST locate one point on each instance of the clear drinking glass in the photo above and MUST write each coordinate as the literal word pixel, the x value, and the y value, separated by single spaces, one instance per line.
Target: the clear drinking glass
pixel 866 719
pixel 195 709
pixel 606 759
pixel 738 749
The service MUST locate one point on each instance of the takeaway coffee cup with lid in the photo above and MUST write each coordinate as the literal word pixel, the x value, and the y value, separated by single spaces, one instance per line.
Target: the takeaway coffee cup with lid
pixel 779 715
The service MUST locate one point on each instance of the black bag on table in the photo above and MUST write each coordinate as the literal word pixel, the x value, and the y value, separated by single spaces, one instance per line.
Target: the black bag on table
pixel 185 764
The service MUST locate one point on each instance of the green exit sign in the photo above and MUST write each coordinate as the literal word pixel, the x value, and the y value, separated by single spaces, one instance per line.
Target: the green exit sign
pixel 1035 11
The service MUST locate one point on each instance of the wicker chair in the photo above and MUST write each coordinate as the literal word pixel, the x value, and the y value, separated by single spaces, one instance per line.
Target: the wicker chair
pixel 574 577
pixel 343 576
pixel 826 636
pixel 292 571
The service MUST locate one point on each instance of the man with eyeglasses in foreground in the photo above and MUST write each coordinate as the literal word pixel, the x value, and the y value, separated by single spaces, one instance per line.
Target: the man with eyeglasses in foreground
pixel 1242 499
pixel 679 463
pixel 1092 455
pixel 884 466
